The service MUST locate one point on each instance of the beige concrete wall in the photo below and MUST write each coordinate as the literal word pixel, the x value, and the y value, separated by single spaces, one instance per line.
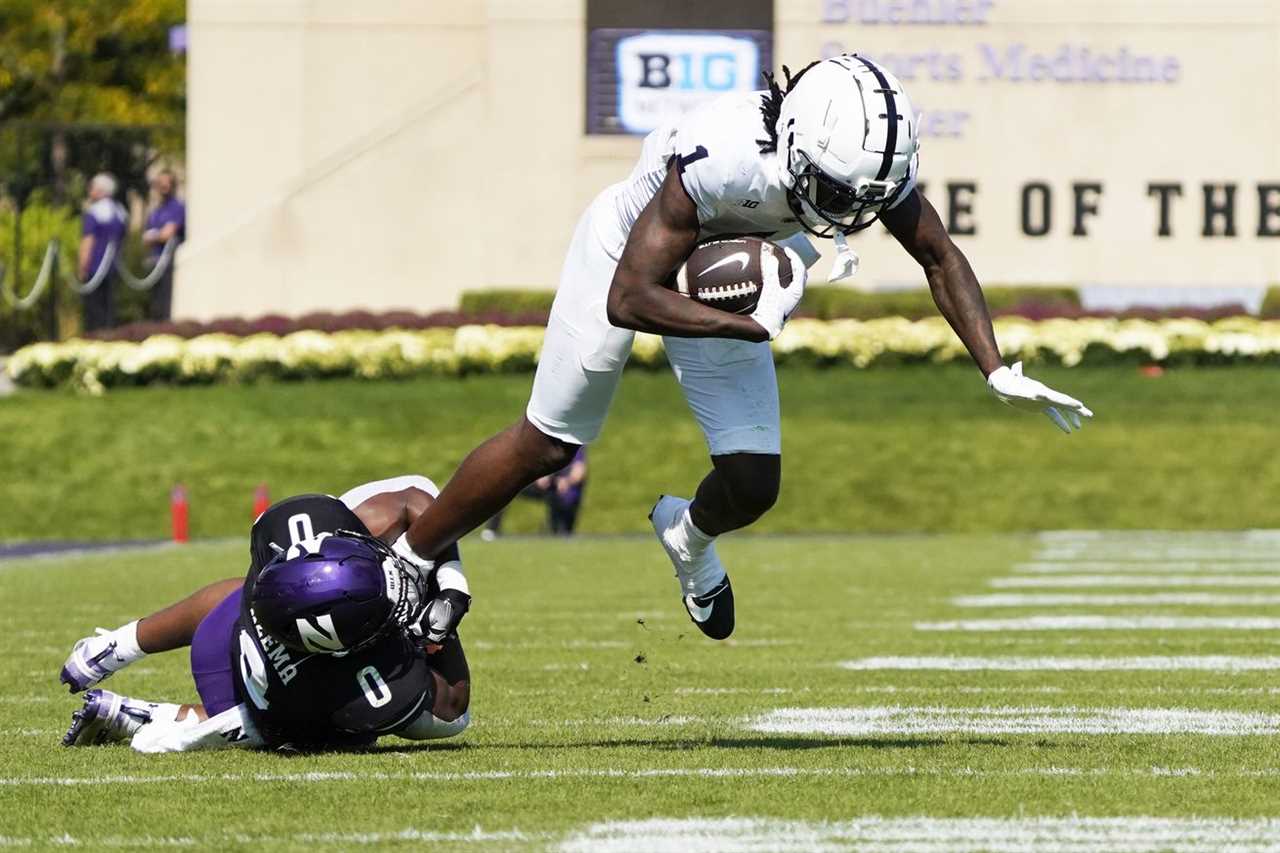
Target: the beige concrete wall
pixel 391 153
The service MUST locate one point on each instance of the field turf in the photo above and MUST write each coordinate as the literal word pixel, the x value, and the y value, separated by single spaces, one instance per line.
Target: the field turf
pixel 603 721
pixel 883 450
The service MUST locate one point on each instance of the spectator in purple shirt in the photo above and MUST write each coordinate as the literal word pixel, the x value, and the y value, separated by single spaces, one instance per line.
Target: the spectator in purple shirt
pixel 562 492
pixel 168 221
pixel 103 225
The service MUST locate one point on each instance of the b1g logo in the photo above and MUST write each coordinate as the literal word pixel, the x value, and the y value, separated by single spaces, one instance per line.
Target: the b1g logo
pixel 663 75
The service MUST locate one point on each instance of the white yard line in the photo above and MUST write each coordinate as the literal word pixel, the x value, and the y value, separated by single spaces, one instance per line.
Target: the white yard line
pixel 1168 567
pixel 1248 535
pixel 215 841
pixel 731 691
pixel 1158 554
pixel 1006 720
pixel 558 774
pixel 929 835
pixel 1106 580
pixel 489 645
pixel 1204 663
pixel 1148 599
pixel 1107 623
pixel 870 834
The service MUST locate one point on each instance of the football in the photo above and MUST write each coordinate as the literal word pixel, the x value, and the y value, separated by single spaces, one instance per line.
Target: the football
pixel 725 273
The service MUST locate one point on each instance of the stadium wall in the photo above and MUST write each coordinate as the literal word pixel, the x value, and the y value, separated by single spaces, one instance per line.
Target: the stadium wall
pixel 391 154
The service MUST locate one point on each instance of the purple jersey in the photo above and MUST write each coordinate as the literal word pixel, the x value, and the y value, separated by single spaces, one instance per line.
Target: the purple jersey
pixel 170 212
pixel 104 221
pixel 574 494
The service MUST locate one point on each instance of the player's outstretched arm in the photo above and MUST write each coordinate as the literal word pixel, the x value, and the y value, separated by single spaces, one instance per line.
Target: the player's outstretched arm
pixel 663 236
pixel 955 289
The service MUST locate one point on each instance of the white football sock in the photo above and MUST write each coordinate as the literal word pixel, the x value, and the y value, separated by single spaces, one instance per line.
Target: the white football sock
pixel 696 542
pixel 696 539
pixel 126 639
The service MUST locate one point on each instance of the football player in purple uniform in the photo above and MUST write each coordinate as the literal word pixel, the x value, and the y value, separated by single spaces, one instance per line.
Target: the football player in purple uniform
pixel 332 639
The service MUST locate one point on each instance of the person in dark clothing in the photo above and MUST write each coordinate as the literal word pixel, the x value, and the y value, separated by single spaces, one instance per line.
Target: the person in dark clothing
pixel 102 227
pixel 562 492
pixel 168 221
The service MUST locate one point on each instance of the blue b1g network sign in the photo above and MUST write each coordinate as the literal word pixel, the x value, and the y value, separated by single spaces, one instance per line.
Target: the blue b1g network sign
pixel 638 80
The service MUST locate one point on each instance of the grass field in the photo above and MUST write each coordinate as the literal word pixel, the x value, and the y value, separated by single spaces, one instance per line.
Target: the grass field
pixel 910 449
pixel 1124 700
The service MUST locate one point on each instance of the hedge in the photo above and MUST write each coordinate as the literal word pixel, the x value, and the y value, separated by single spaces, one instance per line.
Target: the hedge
pixel 512 300
pixel 530 308
pixel 824 301
pixel 93 366
pixel 1271 303
pixel 831 301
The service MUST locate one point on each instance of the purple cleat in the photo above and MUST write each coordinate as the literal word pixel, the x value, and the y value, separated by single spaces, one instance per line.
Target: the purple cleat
pixel 92 660
pixel 106 718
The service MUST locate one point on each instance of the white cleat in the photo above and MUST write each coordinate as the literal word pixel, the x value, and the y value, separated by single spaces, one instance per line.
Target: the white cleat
pixel 91 661
pixel 708 596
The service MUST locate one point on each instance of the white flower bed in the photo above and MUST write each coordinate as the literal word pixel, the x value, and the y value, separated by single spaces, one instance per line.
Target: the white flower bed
pixel 94 365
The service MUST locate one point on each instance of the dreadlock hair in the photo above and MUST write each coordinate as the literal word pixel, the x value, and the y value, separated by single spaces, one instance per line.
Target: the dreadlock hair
pixel 772 106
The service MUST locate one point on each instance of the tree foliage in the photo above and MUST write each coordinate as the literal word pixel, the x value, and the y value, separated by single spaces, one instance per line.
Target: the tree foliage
pixel 85 86
pixel 102 61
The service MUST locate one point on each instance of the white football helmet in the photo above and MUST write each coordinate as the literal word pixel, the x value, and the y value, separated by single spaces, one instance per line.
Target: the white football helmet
pixel 847 144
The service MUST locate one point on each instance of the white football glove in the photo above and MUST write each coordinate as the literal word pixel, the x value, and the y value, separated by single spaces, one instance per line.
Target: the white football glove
pixel 1025 393
pixel 778 300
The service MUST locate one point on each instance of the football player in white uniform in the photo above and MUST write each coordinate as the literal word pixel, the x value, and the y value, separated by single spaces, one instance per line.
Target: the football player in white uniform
pixel 827 154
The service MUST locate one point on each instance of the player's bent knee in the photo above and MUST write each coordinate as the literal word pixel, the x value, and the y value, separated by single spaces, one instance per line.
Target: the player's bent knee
pixel 753 482
pixel 756 499
pixel 547 453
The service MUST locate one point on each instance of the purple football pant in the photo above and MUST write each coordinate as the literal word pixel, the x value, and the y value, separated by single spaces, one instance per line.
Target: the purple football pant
pixel 211 656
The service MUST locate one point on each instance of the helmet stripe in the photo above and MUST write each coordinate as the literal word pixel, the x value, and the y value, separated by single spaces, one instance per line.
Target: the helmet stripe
pixel 891 113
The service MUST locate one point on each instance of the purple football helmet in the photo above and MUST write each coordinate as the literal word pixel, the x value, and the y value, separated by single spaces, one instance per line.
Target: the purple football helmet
pixel 336 594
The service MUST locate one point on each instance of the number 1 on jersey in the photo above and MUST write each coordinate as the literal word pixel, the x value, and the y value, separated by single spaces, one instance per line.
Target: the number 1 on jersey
pixel 684 161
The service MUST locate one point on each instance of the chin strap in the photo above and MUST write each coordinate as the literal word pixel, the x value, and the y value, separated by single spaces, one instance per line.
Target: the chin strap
pixel 846 262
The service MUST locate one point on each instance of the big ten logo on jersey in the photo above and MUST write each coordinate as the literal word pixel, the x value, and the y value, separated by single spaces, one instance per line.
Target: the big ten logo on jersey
pixel 664 74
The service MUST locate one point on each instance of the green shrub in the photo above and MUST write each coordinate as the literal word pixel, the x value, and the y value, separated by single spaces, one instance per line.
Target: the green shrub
pixel 40 224
pixel 1271 303
pixel 831 302
pixel 506 300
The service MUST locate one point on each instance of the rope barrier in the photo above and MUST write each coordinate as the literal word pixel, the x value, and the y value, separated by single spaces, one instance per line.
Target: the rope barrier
pixel 37 289
pixel 157 272
pixel 52 254
pixel 99 275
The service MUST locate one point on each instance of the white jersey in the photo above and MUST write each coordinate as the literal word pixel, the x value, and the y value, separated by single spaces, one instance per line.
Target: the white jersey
pixel 735 187
pixel 730 385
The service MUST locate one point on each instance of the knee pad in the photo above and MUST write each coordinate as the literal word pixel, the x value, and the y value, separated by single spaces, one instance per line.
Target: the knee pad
pixel 430 727
pixel 753 495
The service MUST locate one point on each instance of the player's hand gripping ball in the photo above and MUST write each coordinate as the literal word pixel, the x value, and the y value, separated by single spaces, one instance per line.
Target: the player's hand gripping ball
pixel 728 273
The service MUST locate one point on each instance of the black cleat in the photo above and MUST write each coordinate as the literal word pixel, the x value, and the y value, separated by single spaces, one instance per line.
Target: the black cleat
pixel 713 612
